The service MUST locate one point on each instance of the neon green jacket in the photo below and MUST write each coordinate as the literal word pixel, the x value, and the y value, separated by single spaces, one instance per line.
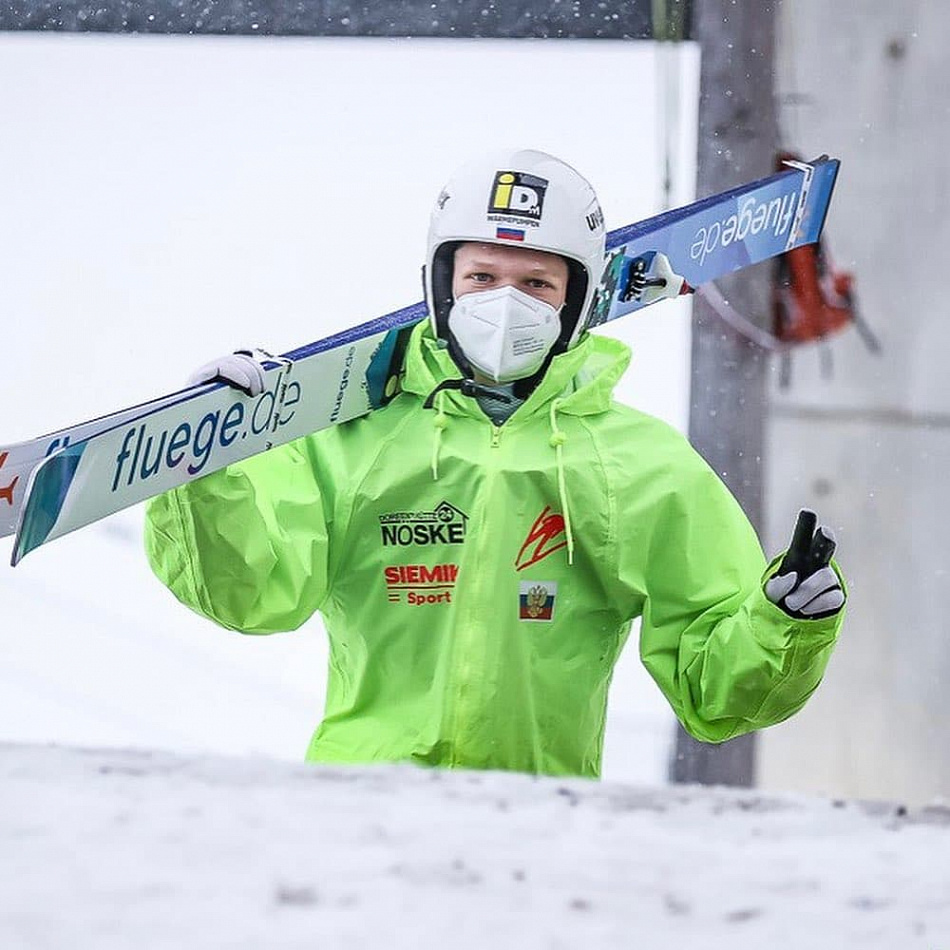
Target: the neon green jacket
pixel 478 582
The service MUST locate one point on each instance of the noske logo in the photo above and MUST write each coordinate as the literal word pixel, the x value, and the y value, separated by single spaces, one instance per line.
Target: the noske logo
pixel 517 194
pixel 445 524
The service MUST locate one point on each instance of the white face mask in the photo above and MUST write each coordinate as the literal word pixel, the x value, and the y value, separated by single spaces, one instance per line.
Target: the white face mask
pixel 505 333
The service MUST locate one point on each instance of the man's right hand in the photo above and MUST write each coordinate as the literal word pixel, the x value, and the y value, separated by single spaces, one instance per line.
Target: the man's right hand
pixel 240 369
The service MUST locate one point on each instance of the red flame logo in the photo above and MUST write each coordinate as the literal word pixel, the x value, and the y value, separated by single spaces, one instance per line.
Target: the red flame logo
pixel 542 539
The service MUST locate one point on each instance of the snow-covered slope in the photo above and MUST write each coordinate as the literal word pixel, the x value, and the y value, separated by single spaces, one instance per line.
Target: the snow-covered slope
pixel 117 849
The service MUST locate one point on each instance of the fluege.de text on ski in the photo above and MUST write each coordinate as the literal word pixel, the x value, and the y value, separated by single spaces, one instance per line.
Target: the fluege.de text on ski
pixel 753 217
pixel 144 453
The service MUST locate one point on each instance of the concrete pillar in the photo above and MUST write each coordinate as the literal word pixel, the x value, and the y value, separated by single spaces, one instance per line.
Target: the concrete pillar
pixel 870 448
pixel 737 142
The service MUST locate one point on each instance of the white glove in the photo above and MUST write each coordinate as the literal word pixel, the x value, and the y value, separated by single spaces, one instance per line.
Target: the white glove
pixel 662 282
pixel 805 586
pixel 241 369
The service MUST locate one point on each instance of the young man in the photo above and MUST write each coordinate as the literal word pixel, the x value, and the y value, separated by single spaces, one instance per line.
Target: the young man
pixel 479 547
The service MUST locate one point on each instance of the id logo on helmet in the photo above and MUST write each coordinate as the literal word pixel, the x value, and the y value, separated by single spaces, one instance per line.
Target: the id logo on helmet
pixel 517 193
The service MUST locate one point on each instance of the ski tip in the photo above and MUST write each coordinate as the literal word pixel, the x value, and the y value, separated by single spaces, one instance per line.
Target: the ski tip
pixel 24 542
pixel 18 552
pixel 46 494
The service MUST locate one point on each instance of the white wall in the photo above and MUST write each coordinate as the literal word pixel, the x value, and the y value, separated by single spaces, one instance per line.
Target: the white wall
pixel 166 199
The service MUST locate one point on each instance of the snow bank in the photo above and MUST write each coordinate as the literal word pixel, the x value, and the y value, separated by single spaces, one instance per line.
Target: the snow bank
pixel 112 849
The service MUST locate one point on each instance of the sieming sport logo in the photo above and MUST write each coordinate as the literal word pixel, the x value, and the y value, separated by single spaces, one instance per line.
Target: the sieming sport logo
pixel 420 584
pixel 445 524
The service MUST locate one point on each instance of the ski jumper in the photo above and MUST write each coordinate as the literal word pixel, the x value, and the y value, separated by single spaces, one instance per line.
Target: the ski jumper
pixel 478 582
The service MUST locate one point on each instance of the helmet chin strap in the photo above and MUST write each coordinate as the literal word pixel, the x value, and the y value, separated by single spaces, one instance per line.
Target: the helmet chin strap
pixel 467 387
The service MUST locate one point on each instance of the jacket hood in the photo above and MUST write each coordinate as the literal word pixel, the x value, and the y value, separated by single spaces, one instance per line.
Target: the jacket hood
pixel 582 378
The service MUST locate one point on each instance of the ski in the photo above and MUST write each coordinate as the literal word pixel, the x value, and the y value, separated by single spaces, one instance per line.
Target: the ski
pixel 70 478
pixel 19 459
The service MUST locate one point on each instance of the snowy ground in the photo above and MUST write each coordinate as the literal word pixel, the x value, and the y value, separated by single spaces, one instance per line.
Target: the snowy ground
pixel 111 849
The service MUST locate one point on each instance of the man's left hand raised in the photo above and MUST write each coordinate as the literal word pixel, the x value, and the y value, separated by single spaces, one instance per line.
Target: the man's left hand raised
pixel 806 586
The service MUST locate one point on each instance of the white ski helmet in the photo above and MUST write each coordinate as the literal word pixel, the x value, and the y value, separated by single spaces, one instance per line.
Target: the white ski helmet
pixel 519 198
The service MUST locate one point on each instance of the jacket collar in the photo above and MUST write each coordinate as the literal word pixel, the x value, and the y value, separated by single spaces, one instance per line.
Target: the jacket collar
pixel 582 379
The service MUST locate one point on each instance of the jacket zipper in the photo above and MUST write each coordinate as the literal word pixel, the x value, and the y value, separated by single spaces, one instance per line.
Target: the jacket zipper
pixel 470 638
